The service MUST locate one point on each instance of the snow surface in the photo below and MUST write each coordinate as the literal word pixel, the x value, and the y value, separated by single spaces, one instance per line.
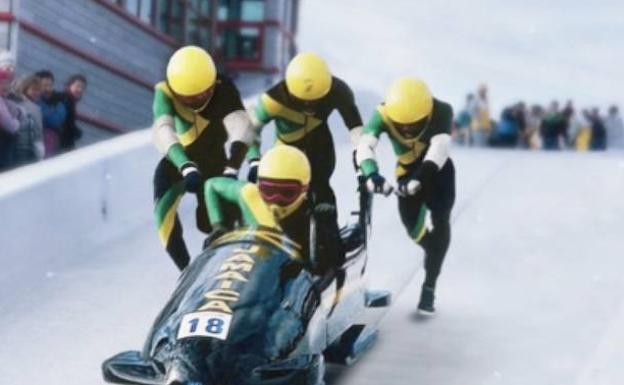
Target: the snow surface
pixel 532 290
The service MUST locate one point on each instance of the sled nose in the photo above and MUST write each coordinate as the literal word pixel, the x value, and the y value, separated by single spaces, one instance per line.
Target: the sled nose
pixel 377 298
pixel 179 375
pixel 130 368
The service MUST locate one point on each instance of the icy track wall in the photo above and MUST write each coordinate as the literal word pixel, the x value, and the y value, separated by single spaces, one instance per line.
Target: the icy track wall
pixel 59 210
pixel 56 213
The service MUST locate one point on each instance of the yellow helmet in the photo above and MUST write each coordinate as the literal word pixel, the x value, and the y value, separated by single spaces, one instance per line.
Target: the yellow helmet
pixel 308 77
pixel 285 162
pixel 283 178
pixel 409 100
pixel 191 71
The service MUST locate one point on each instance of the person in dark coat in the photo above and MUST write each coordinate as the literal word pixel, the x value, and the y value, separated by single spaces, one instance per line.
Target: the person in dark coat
pixel 553 126
pixel 598 130
pixel 53 112
pixel 74 90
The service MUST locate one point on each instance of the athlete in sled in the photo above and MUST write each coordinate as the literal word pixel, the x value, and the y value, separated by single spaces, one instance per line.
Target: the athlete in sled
pixel 253 308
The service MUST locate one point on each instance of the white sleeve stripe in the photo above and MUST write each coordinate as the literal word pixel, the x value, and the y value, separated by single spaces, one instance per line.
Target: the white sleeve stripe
pixel 164 134
pixel 366 148
pixel 238 126
pixel 355 134
pixel 188 170
pixel 257 126
pixel 255 122
pixel 439 149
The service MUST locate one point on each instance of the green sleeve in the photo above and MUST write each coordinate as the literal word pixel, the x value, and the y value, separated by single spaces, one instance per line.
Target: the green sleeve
pixel 262 113
pixel 375 127
pixel 254 151
pixel 263 116
pixel 177 155
pixel 369 166
pixel 162 107
pixel 217 190
pixel 162 104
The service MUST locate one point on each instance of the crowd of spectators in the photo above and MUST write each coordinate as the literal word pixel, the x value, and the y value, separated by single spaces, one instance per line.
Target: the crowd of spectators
pixel 537 127
pixel 36 121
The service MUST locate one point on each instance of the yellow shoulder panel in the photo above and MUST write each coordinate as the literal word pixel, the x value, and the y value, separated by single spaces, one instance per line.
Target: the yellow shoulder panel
pixel 164 88
pixel 200 123
pixel 276 108
pixel 384 115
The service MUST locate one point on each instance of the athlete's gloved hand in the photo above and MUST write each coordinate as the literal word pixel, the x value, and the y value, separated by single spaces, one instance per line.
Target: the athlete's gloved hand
pixel 324 211
pixel 192 177
pixel 361 178
pixel 377 184
pixel 252 175
pixel 218 230
pixel 419 180
pixel 230 172
pixel 408 187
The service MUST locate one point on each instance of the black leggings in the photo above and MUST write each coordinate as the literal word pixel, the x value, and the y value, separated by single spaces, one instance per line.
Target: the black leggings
pixel 439 199
pixel 168 190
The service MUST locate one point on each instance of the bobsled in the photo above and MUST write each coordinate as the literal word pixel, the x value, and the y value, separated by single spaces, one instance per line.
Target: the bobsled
pixel 248 311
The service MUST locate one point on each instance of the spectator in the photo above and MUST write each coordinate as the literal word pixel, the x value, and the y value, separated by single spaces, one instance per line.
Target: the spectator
pixel 568 115
pixel 9 122
pixel 70 133
pixel 463 121
pixel 29 140
pixel 512 124
pixel 7 61
pixel 553 125
pixel 598 130
pixel 532 131
pixel 615 128
pixel 480 114
pixel 579 131
pixel 53 113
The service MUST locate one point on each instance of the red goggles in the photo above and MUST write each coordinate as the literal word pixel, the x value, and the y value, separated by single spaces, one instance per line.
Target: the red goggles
pixel 281 192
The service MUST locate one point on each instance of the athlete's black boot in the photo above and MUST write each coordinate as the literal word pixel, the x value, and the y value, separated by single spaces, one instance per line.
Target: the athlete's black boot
pixel 427 297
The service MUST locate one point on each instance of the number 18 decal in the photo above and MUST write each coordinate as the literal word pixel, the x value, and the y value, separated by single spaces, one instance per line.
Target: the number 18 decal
pixel 205 324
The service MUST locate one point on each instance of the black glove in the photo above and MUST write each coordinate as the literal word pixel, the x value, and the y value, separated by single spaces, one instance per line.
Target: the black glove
pixel 361 178
pixel 424 175
pixel 408 186
pixel 192 177
pixel 377 184
pixel 419 179
pixel 323 211
pixel 252 175
pixel 218 230
pixel 230 172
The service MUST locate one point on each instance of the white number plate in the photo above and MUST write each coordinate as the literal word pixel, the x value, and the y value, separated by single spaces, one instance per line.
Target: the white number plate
pixel 205 324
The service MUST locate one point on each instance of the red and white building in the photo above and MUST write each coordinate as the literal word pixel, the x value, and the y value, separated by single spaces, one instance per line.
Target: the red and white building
pixel 122 47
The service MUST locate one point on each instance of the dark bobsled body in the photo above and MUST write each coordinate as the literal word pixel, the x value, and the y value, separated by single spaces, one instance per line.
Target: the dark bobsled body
pixel 247 312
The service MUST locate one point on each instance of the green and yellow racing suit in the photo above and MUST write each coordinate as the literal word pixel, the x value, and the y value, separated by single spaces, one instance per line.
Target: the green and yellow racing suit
pixel 304 125
pixel 424 157
pixel 183 136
